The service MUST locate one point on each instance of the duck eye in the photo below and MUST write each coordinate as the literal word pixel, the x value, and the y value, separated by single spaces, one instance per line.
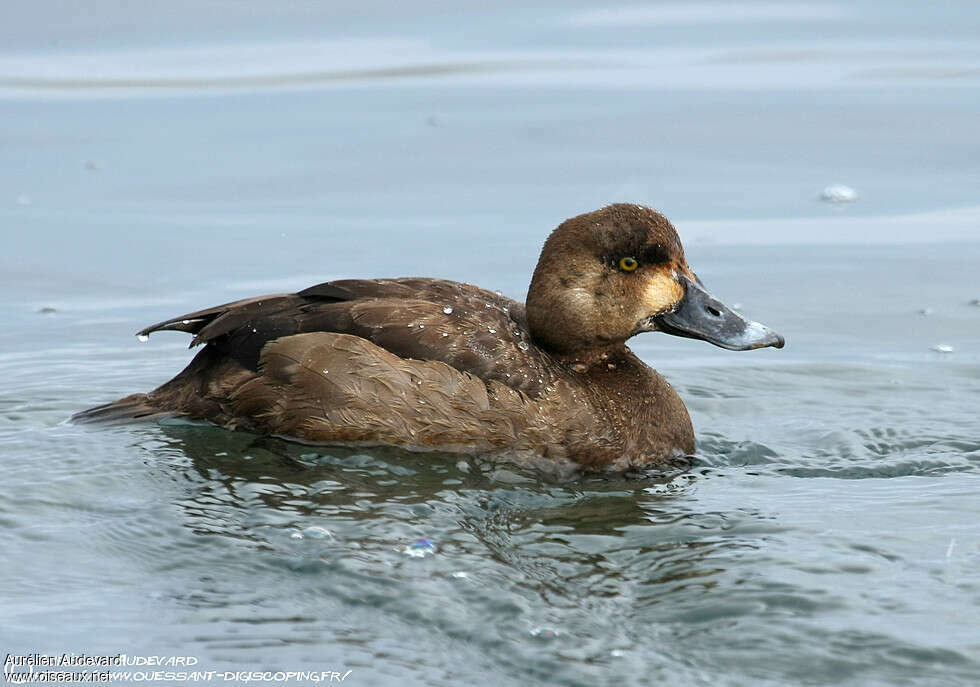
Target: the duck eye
pixel 628 264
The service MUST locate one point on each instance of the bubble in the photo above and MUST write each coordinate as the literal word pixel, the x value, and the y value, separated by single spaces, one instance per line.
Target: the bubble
pixel 544 633
pixel 142 338
pixel 943 348
pixel 317 532
pixel 838 193
pixel 420 549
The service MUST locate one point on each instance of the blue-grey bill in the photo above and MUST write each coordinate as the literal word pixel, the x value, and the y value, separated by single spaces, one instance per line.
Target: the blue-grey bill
pixel 702 316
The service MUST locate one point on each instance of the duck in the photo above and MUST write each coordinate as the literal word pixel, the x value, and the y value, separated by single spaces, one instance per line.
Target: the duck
pixel 429 364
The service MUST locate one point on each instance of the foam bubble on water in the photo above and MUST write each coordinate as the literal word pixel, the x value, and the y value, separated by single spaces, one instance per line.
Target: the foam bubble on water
pixel 544 633
pixel 142 338
pixel 420 549
pixel 838 193
pixel 312 532
pixel 317 532
pixel 943 348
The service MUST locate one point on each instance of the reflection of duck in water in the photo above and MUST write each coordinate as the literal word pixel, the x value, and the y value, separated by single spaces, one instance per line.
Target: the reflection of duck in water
pixel 434 364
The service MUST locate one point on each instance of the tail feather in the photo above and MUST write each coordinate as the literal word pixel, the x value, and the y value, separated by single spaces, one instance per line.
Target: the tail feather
pixel 134 408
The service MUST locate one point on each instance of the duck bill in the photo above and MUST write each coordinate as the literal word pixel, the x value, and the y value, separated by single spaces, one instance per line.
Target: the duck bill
pixel 700 315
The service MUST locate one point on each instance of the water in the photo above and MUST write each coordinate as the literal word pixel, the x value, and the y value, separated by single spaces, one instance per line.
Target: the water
pixel 155 162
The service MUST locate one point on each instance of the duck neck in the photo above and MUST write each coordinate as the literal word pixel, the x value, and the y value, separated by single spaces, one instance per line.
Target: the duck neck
pixel 559 319
pixel 605 358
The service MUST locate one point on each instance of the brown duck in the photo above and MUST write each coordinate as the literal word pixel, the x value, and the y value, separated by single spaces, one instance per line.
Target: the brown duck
pixel 429 364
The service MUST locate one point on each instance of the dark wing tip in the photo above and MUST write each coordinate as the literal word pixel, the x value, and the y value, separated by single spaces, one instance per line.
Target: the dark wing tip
pixel 189 325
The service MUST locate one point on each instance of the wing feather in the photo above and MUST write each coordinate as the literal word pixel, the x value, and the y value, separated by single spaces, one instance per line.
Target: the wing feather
pixel 471 329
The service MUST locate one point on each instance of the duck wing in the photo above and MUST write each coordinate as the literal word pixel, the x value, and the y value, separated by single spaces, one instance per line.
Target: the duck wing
pixel 471 329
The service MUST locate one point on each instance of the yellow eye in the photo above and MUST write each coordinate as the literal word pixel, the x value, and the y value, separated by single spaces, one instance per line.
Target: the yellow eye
pixel 628 264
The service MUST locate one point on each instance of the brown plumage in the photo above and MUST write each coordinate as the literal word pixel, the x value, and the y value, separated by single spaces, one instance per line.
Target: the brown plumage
pixel 434 364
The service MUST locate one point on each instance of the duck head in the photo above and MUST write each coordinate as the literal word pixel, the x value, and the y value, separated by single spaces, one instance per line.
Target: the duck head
pixel 611 274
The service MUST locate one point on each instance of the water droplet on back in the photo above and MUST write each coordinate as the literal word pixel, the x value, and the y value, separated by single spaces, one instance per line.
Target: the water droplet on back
pixel 448 310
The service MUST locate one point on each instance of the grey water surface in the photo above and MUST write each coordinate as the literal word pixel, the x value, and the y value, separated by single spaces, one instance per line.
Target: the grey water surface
pixel 157 158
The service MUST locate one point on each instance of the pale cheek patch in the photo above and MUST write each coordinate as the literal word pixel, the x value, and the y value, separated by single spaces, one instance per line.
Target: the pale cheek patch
pixel 661 294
